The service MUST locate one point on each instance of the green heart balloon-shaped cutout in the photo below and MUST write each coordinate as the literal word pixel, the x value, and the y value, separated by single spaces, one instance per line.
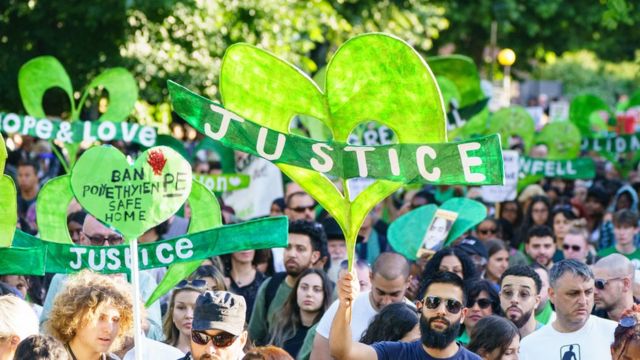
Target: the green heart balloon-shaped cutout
pixel 8 196
pixel 372 77
pixel 581 108
pixel 406 233
pixel 562 139
pixel 512 121
pixel 131 198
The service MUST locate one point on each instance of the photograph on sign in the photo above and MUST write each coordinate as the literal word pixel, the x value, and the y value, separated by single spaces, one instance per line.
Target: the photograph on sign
pixel 438 230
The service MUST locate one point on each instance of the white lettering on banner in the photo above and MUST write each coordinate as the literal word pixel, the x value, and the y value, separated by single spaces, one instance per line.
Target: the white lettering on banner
pixel 227 116
pixel 469 161
pixel 394 163
pixel 420 154
pixel 262 139
pixel 112 258
pixel 327 165
pixel 361 158
pixel 106 131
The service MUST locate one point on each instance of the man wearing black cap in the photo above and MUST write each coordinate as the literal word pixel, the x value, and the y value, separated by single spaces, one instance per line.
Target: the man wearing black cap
pixel 217 331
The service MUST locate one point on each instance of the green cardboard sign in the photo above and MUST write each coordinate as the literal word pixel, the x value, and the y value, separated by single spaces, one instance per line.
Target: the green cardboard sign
pixel 562 139
pixel 581 109
pixel 223 182
pixel 134 198
pixel 579 168
pixel 372 77
pixel 614 144
pixel 406 233
pixel 512 121
pixel 71 258
pixel 77 131
pixel 472 161
pixel 8 194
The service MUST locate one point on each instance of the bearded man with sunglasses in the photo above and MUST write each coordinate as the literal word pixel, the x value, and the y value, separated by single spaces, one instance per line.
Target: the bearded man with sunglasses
pixel 218 328
pixel 614 275
pixel 575 334
pixel 442 312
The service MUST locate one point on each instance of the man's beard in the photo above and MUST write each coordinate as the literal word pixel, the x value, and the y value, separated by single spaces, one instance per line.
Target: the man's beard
pixel 435 339
pixel 520 322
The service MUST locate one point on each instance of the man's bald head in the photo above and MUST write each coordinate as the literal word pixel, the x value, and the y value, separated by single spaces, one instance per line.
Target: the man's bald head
pixel 616 265
pixel 391 266
pixel 94 228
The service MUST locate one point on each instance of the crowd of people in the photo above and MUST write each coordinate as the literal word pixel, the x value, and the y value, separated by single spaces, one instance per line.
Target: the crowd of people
pixel 549 275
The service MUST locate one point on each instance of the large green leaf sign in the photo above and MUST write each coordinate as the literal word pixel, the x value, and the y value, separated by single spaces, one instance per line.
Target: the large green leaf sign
pixel 372 77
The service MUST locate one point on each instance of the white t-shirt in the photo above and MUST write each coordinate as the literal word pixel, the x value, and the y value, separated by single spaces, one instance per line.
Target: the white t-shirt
pixel 155 350
pixel 592 342
pixel 361 316
pixel 363 313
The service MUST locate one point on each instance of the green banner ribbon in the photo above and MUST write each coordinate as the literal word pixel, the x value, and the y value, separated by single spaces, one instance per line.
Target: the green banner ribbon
pixel 33 256
pixel 223 182
pixel 478 161
pixel 579 168
pixel 616 144
pixel 73 132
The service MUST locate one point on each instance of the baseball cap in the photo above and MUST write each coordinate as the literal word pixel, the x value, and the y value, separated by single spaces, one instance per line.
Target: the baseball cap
pixel 473 246
pixel 219 310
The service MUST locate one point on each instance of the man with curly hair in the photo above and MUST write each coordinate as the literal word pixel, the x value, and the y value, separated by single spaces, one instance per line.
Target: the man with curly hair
pixel 92 315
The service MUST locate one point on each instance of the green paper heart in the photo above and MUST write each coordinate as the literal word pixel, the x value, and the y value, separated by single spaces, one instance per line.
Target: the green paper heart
pixel 205 214
pixel 159 182
pixel 512 121
pixel 42 73
pixel 581 108
pixel 634 100
pixel 406 233
pixel 371 77
pixel 9 208
pixel 562 139
pixel 51 208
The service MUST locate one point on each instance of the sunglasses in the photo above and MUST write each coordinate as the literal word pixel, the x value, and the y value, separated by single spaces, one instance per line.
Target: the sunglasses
pixel 301 209
pixel 433 302
pixel 100 240
pixel 572 247
pixel 601 283
pixel 198 283
pixel 221 340
pixel 487 231
pixel 482 303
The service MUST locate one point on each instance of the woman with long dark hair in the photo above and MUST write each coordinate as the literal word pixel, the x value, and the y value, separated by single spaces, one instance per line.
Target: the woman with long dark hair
pixel 495 338
pixel 309 299
pixel 451 259
pixel 482 301
pixel 537 213
pixel 395 322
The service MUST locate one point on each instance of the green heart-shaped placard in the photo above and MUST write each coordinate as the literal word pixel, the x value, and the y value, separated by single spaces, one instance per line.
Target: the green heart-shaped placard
pixel 8 196
pixel 406 233
pixel 512 121
pixel 372 77
pixel 131 198
pixel 581 108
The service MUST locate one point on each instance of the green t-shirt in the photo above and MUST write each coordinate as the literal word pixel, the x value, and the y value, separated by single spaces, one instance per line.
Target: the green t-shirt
pixel 260 323
pixel 612 250
pixel 464 339
pixel 545 315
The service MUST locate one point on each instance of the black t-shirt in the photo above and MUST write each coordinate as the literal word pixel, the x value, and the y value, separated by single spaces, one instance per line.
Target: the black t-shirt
pixel 293 345
pixel 388 350
pixel 249 291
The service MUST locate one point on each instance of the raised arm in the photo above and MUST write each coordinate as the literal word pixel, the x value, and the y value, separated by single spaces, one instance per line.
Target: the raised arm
pixel 340 342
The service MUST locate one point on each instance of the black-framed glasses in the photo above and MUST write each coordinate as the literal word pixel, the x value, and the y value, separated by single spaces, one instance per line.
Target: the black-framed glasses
pixel 222 340
pixel 198 283
pixel 600 284
pixel 301 209
pixel 572 247
pixel 453 306
pixel 482 303
pixel 100 240
pixel 488 231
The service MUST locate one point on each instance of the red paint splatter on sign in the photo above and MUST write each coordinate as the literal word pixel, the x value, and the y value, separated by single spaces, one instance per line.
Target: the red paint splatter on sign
pixel 157 161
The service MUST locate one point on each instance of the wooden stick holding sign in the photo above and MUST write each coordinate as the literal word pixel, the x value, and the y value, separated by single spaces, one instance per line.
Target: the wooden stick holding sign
pixel 132 198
